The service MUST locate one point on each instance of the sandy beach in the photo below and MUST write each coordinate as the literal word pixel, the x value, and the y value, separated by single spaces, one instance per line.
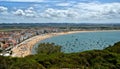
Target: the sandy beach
pixel 24 49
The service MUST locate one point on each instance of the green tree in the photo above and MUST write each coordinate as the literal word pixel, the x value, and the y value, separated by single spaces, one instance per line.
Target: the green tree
pixel 48 48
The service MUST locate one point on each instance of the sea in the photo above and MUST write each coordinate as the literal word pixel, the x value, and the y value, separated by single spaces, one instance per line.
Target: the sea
pixel 83 41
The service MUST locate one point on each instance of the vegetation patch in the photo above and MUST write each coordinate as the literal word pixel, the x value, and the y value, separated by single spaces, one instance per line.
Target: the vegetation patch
pixel 50 57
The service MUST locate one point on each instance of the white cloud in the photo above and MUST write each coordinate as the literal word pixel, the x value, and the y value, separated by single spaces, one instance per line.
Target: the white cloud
pixel 3 9
pixel 29 12
pixel 98 10
pixel 79 12
pixel 85 12
pixel 19 12
pixel 59 14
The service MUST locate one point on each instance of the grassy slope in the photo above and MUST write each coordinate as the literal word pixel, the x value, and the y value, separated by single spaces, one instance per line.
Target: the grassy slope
pixel 108 58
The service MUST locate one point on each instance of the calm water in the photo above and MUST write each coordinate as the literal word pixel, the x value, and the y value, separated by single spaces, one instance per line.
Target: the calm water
pixel 84 41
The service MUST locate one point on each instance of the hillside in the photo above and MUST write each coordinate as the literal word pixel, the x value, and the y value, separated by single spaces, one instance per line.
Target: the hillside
pixel 109 58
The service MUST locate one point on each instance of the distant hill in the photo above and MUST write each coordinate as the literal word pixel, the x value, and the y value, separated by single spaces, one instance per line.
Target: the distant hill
pixel 61 25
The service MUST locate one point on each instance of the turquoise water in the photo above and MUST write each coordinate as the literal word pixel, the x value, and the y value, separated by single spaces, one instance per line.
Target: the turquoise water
pixel 84 41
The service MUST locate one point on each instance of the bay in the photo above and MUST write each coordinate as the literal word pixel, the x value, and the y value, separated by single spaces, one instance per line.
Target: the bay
pixel 84 41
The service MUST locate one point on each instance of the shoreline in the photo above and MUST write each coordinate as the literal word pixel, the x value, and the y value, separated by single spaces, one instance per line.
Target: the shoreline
pixel 25 48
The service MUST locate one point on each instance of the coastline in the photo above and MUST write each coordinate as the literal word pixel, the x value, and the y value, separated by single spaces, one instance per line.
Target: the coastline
pixel 24 49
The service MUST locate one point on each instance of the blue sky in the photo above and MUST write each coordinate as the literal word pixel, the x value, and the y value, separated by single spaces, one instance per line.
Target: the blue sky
pixel 60 11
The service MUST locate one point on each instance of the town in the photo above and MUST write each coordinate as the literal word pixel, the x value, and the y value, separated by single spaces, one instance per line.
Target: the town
pixel 10 36
pixel 9 39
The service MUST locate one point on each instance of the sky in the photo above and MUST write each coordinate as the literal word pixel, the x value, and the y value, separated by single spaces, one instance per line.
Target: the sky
pixel 59 11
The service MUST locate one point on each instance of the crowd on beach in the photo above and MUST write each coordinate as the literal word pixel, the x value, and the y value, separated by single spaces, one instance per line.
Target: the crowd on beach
pixel 24 48
pixel 14 38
